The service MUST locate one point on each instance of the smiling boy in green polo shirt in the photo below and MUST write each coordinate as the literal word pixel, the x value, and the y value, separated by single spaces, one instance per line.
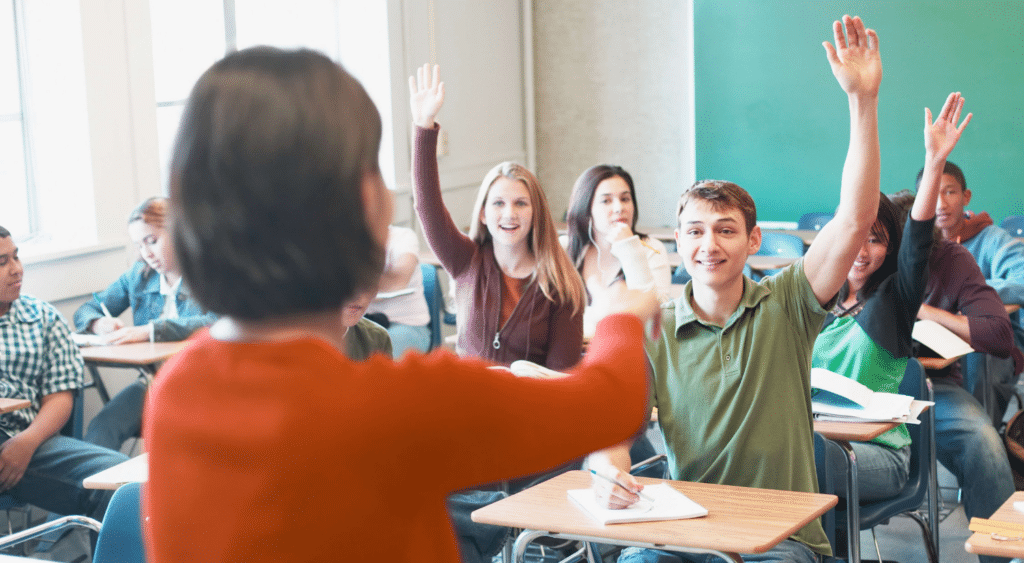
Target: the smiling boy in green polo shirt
pixel 731 369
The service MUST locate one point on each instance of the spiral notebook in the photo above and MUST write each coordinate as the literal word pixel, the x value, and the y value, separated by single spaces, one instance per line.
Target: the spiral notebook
pixel 669 504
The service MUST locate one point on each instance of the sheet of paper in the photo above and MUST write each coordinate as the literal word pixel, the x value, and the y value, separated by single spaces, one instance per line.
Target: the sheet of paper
pixel 88 339
pixel 940 339
pixel 841 386
pixel 669 504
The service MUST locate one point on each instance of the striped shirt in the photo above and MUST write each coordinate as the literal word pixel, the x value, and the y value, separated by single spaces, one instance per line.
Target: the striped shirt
pixel 37 358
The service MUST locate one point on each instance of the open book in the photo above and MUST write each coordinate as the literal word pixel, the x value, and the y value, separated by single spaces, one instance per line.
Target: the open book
pixel 526 368
pixel 841 398
pixel 669 504
pixel 940 339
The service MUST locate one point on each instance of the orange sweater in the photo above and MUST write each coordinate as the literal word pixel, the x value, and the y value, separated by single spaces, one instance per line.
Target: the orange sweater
pixel 291 452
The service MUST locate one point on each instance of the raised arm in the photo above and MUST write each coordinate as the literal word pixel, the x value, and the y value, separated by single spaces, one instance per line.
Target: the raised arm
pixel 940 137
pixel 857 66
pixel 452 248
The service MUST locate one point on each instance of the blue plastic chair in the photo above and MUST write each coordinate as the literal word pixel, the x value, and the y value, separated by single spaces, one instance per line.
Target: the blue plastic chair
pixel 780 244
pixel 435 302
pixel 120 533
pixel 1014 224
pixel 922 483
pixel 813 221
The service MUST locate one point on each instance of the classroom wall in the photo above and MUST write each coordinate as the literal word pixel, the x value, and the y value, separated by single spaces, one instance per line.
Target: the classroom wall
pixel 613 85
pixel 771 117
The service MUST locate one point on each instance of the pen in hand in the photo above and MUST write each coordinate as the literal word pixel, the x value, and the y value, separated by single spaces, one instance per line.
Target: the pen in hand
pixel 103 306
pixel 615 482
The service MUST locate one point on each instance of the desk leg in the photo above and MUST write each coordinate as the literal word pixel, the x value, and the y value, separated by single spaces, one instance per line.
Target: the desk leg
pixel 524 539
pixel 852 504
pixel 98 382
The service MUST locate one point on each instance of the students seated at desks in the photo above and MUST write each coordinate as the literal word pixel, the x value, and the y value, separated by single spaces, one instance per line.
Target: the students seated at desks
pixel 162 311
pixel 867 336
pixel 967 444
pixel 266 443
pixel 39 362
pixel 733 390
pixel 1001 259
pixel 408 317
pixel 517 295
pixel 602 241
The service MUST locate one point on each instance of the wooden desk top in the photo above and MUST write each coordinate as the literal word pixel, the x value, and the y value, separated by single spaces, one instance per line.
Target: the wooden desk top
pixel 10 405
pixel 984 544
pixel 135 470
pixel 739 520
pixel 134 354
pixel 1011 309
pixel 852 431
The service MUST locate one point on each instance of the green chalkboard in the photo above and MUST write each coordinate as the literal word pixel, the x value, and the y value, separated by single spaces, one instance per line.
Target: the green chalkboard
pixel 771 117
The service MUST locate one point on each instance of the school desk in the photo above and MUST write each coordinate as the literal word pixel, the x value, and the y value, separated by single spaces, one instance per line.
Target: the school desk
pixel 985 544
pixel 135 470
pixel 144 356
pixel 739 520
pixel 843 433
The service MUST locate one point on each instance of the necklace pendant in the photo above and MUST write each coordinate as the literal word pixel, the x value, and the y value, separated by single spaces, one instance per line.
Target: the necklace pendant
pixel 496 343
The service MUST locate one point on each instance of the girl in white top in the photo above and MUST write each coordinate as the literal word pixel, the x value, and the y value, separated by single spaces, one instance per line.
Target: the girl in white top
pixel 407 313
pixel 602 240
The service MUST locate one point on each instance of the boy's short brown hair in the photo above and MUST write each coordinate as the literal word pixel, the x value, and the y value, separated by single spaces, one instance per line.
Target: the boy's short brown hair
pixel 720 195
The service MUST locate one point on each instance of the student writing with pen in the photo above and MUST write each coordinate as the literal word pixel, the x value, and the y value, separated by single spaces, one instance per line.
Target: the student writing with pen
pixel 162 310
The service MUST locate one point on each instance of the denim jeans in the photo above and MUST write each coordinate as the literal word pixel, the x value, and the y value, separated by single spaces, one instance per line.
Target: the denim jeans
pixel 789 551
pixel 882 472
pixel 1001 381
pixel 119 419
pixel 53 480
pixel 407 337
pixel 970 448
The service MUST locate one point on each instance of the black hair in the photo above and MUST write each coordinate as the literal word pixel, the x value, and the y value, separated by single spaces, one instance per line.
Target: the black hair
pixel 4 233
pixel 267 184
pixel 581 201
pixel 887 227
pixel 949 168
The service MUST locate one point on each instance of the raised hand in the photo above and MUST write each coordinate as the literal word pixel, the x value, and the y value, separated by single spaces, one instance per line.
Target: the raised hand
pixel 426 95
pixel 855 61
pixel 942 135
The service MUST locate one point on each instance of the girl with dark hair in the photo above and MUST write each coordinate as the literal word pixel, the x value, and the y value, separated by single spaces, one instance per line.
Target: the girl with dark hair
pixel 602 241
pixel 867 337
pixel 259 430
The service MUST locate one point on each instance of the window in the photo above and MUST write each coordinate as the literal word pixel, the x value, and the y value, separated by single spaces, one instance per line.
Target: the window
pixel 215 28
pixel 47 190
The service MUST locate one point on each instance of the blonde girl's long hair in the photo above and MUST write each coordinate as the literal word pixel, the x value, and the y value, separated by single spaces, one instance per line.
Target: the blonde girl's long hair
pixel 558 279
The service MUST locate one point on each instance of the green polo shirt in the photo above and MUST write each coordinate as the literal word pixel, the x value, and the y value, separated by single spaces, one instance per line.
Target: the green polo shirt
pixel 734 403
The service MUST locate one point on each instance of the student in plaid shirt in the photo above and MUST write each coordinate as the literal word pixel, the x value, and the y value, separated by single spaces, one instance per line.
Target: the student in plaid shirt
pixel 39 362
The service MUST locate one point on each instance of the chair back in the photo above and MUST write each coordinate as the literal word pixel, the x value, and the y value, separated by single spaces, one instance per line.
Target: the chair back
pixel 813 221
pixel 1014 224
pixel 120 539
pixel 780 244
pixel 435 302
pixel 922 460
pixel 827 454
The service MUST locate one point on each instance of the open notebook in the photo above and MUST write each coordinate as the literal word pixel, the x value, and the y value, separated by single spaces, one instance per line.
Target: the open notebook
pixel 669 504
